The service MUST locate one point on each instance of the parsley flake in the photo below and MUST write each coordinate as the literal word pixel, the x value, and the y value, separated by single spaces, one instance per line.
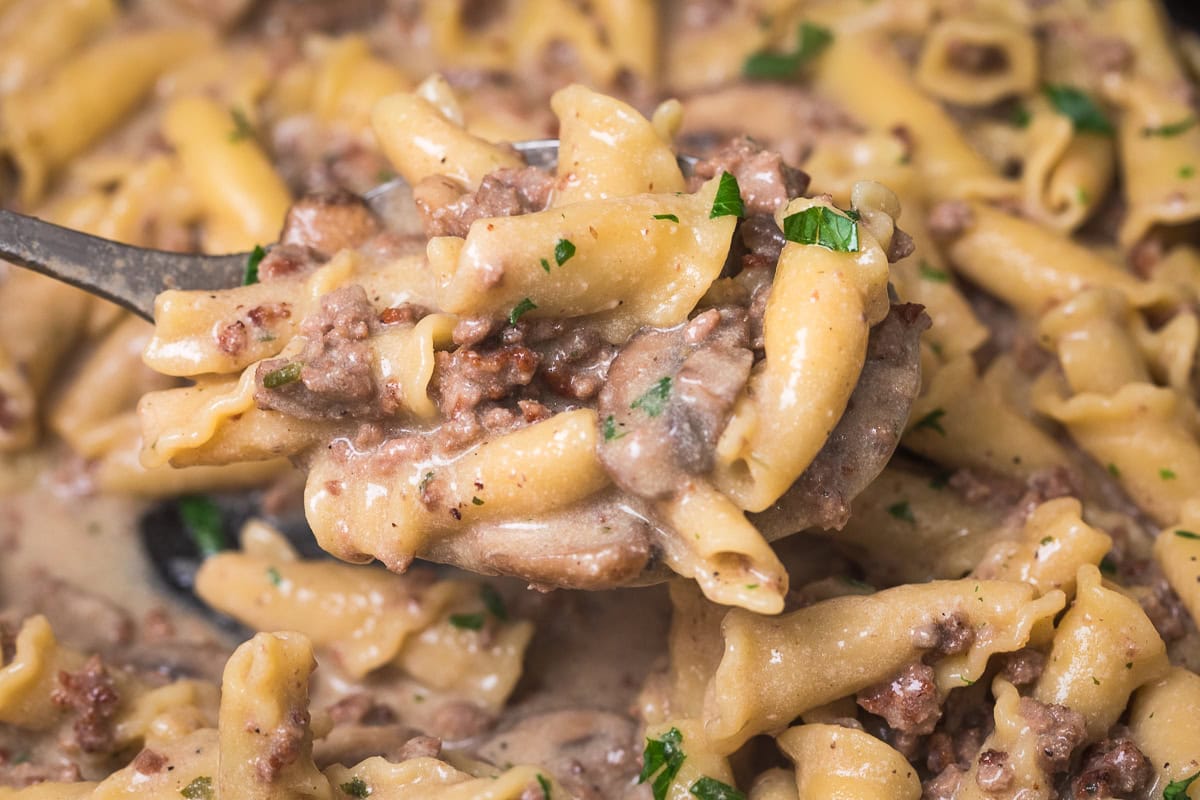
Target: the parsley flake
pixel 1167 474
pixel 199 789
pixel 1114 471
pixel 252 261
pixel 1046 540
pixel 811 42
pixel 545 786
pixel 563 251
pixel 1187 171
pixel 654 400
pixel 902 512
pixel 728 201
pixel 356 787
pixel 203 523
pixel 609 429
pixel 1182 534
pixel 520 309
pixel 493 602
pixel 707 788
pixel 242 129
pixel 668 217
pixel 1020 117
pixel 274 577
pixel 821 225
pixel 1170 129
pixel 932 273
pixel 664 757
pixel 546 266
pixel 932 421
pixel 1108 566
pixel 476 501
pixel 1178 790
pixel 288 373
pixel 424 484
pixel 1079 107
pixel 467 622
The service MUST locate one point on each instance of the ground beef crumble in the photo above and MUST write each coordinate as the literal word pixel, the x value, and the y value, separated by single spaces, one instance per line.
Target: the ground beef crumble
pixel 908 702
pixel 91 694
pixel 1059 730
pixel 1114 767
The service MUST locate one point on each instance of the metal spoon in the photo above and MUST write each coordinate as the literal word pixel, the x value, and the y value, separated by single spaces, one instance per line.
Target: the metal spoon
pixel 131 276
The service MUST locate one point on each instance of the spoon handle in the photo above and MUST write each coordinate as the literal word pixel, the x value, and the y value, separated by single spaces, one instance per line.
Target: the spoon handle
pixel 128 276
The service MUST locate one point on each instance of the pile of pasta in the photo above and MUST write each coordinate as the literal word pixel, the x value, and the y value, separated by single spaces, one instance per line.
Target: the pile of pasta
pixel 1010 609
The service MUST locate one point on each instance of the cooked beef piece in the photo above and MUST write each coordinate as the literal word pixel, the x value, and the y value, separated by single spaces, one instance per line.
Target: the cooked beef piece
pixel 464 378
pixel 949 636
pixel 762 237
pixel 286 259
pixel 447 211
pixel 949 219
pixel 902 246
pixel 944 786
pixel 668 396
pixel 1114 767
pixel 866 436
pixel 1164 608
pixel 336 378
pixel 1023 667
pixel 91 694
pixel 576 364
pixel 328 222
pixel 908 702
pixel 995 774
pixel 765 181
pixel 1060 730
pixel 285 743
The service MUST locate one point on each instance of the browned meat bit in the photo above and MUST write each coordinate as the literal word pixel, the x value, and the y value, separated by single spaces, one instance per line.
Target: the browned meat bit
pixel 329 222
pixel 1109 53
pixel 232 338
pixel 92 695
pixel 457 721
pixel 944 786
pixel 420 747
pixel 286 259
pixel 335 378
pixel 908 702
pixel 946 637
pixel 1023 667
pixel 361 709
pixel 28 773
pixel 575 364
pixel 1165 610
pixel 403 314
pixel 286 742
pixel 446 211
pixel 149 762
pixel 762 237
pixel 766 182
pixel 668 396
pixel 8 643
pixel 464 378
pixel 950 219
pixel 1113 768
pixel 901 247
pixel 995 774
pixel 978 59
pixel 1060 730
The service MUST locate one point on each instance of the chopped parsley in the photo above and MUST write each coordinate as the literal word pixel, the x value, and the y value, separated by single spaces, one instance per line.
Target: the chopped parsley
pixel 546 266
pixel 252 261
pixel 728 201
pixel 811 42
pixel 707 788
pixel 1170 129
pixel 1079 107
pixel 545 786
pixel 966 680
pixel 1046 540
pixel 493 602
pixel 932 421
pixel 467 622
pixel 274 577
pixel 242 129
pixel 424 484
pixel 288 373
pixel 609 429
pixel 1167 474
pixel 1095 680
pixel 1020 117
pixel 563 251
pixel 1187 171
pixel 1108 566
pixel 902 512
pixel 654 400
pixel 821 225
pixel 1178 790
pixel 199 789
pixel 1082 196
pixel 662 757
pixel 356 787
pixel 202 521
pixel 1112 470
pixel 668 217
pixel 932 273
pixel 476 501
pixel 1182 534
pixel 520 309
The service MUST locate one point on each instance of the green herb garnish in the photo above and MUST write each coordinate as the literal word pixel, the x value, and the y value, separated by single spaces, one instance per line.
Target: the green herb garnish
pixel 664 757
pixel 288 373
pixel 546 266
pixel 1182 534
pixel 252 261
pixel 902 512
pixel 199 789
pixel 609 429
pixel 493 602
pixel 1171 129
pixel 356 787
pixel 668 217
pixel 467 622
pixel 1177 790
pixel 1167 474
pixel 519 310
pixel 932 421
pixel 1020 117
pixel 273 576
pixel 654 400
pixel 545 784
pixel 242 129
pixel 932 273
pixel 728 201
pixel 765 65
pixel 712 789
pixel 424 484
pixel 821 225
pixel 1112 470
pixel 1108 566
pixel 1079 107
pixel 202 521
pixel 563 251
pixel 1187 171
pixel 1046 540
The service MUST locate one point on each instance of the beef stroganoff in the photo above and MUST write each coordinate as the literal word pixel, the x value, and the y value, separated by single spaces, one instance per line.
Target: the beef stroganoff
pixel 868 425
